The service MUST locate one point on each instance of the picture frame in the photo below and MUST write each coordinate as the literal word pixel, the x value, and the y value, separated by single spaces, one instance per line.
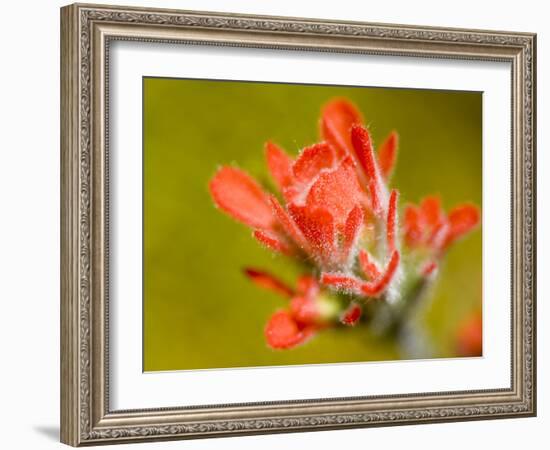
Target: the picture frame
pixel 87 33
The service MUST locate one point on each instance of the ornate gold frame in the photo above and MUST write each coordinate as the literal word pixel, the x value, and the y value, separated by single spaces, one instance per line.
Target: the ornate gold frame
pixel 86 31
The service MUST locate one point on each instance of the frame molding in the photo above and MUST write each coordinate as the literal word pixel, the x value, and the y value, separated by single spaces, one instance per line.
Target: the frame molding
pixel 86 31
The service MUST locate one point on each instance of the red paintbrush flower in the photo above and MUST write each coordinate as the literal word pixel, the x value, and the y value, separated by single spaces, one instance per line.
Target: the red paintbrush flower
pixel 306 313
pixel 336 211
pixel 428 226
pixel 331 191
pixel 283 332
pixel 324 204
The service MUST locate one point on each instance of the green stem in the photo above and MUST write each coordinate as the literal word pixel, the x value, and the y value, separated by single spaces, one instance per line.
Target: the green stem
pixel 395 320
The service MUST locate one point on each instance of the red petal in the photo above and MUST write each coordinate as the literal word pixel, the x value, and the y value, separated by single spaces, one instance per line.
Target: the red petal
pixel 304 310
pixel 440 235
pixel 364 153
pixel 352 230
pixel 351 315
pixel 432 211
pixel 392 220
pixel 318 228
pixel 387 155
pixel 376 204
pixel 337 117
pixel 312 160
pixel 413 226
pixel 238 194
pixel 273 241
pixel 288 224
pixel 370 289
pixel 337 191
pixel 267 281
pixel 362 146
pixel 279 165
pixel 282 331
pixel 292 192
pixel 437 225
pixel 368 265
pixel 307 286
pixel 462 219
pixel 340 281
pixel 377 287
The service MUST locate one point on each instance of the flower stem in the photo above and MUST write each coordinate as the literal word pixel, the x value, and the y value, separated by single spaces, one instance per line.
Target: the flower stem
pixel 396 320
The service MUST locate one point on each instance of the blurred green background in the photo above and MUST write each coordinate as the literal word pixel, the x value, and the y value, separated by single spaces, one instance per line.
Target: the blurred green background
pixel 199 310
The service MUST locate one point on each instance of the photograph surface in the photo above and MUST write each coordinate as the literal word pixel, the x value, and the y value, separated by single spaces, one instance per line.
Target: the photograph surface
pixel 291 224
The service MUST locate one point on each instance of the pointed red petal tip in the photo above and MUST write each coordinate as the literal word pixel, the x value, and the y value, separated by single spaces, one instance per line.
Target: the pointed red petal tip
pixel 392 220
pixel 368 265
pixel 267 281
pixel 279 165
pixel 240 196
pixel 337 117
pixel 432 211
pixel 352 231
pixel 351 315
pixel 377 287
pixel 362 145
pixel 364 154
pixel 283 332
pixel 462 220
pixel 312 160
pixel 273 241
pixel 387 155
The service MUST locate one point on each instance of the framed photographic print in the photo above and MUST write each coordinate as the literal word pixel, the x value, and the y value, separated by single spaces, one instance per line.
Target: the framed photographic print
pixel 275 224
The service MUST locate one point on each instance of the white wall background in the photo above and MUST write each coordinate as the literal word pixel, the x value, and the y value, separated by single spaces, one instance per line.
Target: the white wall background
pixel 29 222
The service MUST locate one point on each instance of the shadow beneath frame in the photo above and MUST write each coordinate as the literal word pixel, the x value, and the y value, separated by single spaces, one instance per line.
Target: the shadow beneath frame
pixel 49 431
